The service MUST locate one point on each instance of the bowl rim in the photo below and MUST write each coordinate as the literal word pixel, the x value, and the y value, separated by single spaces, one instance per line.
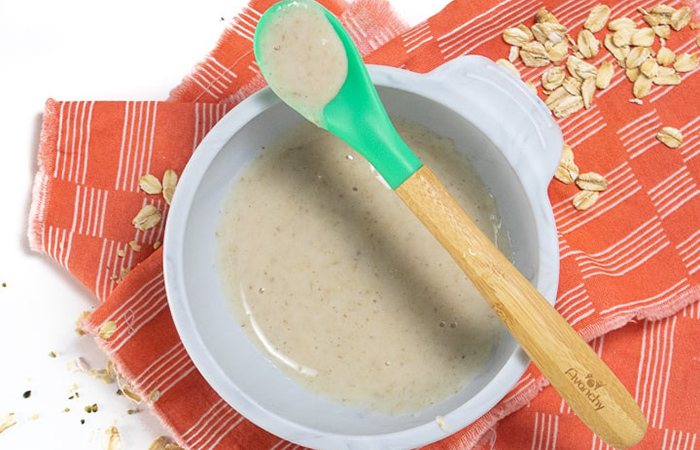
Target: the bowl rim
pixel 535 189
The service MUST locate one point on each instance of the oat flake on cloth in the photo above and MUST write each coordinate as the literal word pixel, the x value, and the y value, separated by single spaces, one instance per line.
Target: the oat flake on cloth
pixel 630 266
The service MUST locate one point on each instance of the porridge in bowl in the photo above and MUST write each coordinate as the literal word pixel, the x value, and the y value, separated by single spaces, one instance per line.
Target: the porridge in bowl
pixel 341 286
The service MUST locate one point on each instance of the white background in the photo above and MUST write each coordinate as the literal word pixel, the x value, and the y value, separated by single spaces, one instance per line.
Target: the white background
pixel 80 50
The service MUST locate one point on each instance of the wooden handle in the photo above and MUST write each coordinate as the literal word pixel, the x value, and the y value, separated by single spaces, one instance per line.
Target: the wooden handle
pixel 569 363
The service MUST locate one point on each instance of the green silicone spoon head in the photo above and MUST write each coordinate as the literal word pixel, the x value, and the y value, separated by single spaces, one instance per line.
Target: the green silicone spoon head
pixel 311 62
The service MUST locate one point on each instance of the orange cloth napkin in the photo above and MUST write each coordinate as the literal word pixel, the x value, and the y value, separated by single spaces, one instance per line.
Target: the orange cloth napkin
pixel 630 266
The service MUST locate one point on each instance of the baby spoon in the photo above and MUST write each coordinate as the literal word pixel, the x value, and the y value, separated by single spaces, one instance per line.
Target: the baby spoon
pixel 312 64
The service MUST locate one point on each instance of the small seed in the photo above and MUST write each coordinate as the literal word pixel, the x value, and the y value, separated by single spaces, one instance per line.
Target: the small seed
pixel 121 253
pixel 585 199
pixel 622 22
pixel 509 66
pixel 130 393
pixel 155 395
pixel 665 56
pixel 604 75
pixel 150 184
pixel 642 86
pixel 107 329
pixel 517 36
pixel 663 10
pixel 147 218
pixel 591 181
pixel 587 92
pixel 680 18
pixel 552 78
pixel 597 18
pixel 685 62
pixel 169 184
pixel 671 137
pixel 643 37
pixel 135 246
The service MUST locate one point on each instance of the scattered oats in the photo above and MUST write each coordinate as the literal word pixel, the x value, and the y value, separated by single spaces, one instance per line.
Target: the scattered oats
pixel 34 416
pixel 591 181
pixel 114 440
pixel 662 31
pixel 643 37
pixel 665 56
pixel 121 253
pixel 107 329
pixel 123 273
pixel 513 53
pixel 169 184
pixel 579 68
pixel 441 423
pixel 164 443
pixel 587 91
pixel 556 52
pixel 585 199
pixel 604 75
pixel 597 18
pixel 156 245
pixel 155 395
pixel 517 36
pixel 150 184
pixel 619 53
pixel 7 421
pixel 636 100
pixel 102 374
pixel 685 62
pixel 545 16
pixel 548 31
pixel 624 36
pixel 572 86
pixel 642 86
pixel 534 54
pixel 680 18
pixel 621 23
pixel 697 41
pixel 649 68
pixel 664 11
pixel 147 218
pixel 135 246
pixel 637 56
pixel 79 322
pixel 670 136
pixel 552 78
pixel 81 364
pixel 509 66
pixel 567 105
pixel 112 370
pixel 588 44
pixel 666 76
pixel 567 171
pixel 695 26
pixel 128 391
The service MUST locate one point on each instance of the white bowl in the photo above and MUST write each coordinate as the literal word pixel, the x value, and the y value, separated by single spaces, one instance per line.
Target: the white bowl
pixel 509 136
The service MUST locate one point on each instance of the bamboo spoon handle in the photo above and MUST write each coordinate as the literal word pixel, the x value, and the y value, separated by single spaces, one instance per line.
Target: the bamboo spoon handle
pixel 572 367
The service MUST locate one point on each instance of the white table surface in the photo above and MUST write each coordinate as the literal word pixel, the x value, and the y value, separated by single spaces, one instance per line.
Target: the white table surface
pixel 80 50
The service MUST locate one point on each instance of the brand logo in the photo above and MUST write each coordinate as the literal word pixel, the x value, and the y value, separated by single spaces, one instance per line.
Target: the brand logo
pixel 588 385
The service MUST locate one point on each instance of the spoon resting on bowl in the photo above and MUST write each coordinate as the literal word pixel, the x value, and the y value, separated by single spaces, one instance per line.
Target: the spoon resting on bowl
pixel 312 64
